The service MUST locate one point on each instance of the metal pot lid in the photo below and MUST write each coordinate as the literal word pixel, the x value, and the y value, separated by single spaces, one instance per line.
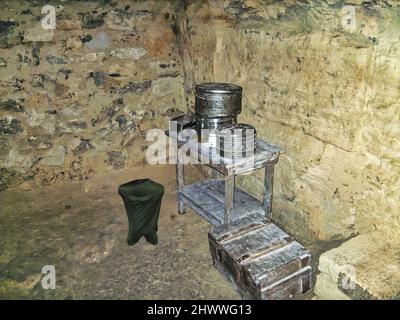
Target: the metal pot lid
pixel 232 127
pixel 214 87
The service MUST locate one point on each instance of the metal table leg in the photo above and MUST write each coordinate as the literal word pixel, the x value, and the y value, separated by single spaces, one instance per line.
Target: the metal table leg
pixel 268 191
pixel 229 192
pixel 179 184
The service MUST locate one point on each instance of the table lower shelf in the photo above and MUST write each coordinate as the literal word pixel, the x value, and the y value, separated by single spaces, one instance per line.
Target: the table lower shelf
pixel 208 200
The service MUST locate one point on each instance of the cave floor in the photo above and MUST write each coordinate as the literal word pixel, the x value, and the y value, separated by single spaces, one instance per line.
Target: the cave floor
pixel 81 229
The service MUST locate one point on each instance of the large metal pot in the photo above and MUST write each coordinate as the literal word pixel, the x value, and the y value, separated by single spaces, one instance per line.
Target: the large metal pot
pixel 217 104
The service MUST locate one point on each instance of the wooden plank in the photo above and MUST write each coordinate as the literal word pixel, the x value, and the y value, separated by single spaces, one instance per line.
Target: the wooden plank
pixel 268 190
pixel 237 226
pixel 240 233
pixel 179 184
pixel 265 154
pixel 288 287
pixel 269 268
pixel 229 191
pixel 207 200
pixel 251 243
pixel 249 167
pixel 257 267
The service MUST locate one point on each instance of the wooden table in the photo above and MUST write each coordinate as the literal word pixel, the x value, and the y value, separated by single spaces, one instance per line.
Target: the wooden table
pixel 217 200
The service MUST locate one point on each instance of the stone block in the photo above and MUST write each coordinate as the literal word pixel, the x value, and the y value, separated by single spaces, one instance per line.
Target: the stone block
pixel 8 34
pixel 326 289
pixel 38 34
pixel 54 157
pixel 124 21
pixel 10 126
pixel 128 53
pixel 98 42
pixel 69 24
pixel 364 267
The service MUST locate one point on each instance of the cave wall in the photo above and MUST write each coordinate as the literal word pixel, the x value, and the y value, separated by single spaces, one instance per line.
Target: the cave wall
pixel 78 100
pixel 326 91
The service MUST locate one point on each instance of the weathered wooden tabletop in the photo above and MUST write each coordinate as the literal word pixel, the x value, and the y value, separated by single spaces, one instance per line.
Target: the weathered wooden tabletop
pixel 265 154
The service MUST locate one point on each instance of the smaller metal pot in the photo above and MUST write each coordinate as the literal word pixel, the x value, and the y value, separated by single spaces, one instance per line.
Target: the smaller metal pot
pixel 236 141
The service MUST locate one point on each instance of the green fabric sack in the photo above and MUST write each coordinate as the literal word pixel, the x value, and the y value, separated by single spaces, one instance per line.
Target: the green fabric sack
pixel 142 200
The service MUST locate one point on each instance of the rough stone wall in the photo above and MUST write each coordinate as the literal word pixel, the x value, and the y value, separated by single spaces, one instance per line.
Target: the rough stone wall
pixel 328 94
pixel 79 100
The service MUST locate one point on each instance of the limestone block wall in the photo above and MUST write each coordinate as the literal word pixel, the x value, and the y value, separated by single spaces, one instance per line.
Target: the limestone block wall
pixel 319 79
pixel 78 100
pixel 324 89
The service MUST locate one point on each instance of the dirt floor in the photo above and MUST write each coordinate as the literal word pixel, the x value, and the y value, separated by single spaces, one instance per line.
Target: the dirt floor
pixel 81 229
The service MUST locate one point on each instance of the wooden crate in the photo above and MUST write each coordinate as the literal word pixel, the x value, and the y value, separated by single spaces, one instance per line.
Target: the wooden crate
pixel 261 260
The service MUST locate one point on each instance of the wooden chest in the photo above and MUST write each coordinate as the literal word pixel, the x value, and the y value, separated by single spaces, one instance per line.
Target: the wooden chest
pixel 261 260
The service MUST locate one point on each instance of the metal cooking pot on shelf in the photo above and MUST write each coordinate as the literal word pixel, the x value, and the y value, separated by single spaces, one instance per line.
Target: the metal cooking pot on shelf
pixel 216 104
